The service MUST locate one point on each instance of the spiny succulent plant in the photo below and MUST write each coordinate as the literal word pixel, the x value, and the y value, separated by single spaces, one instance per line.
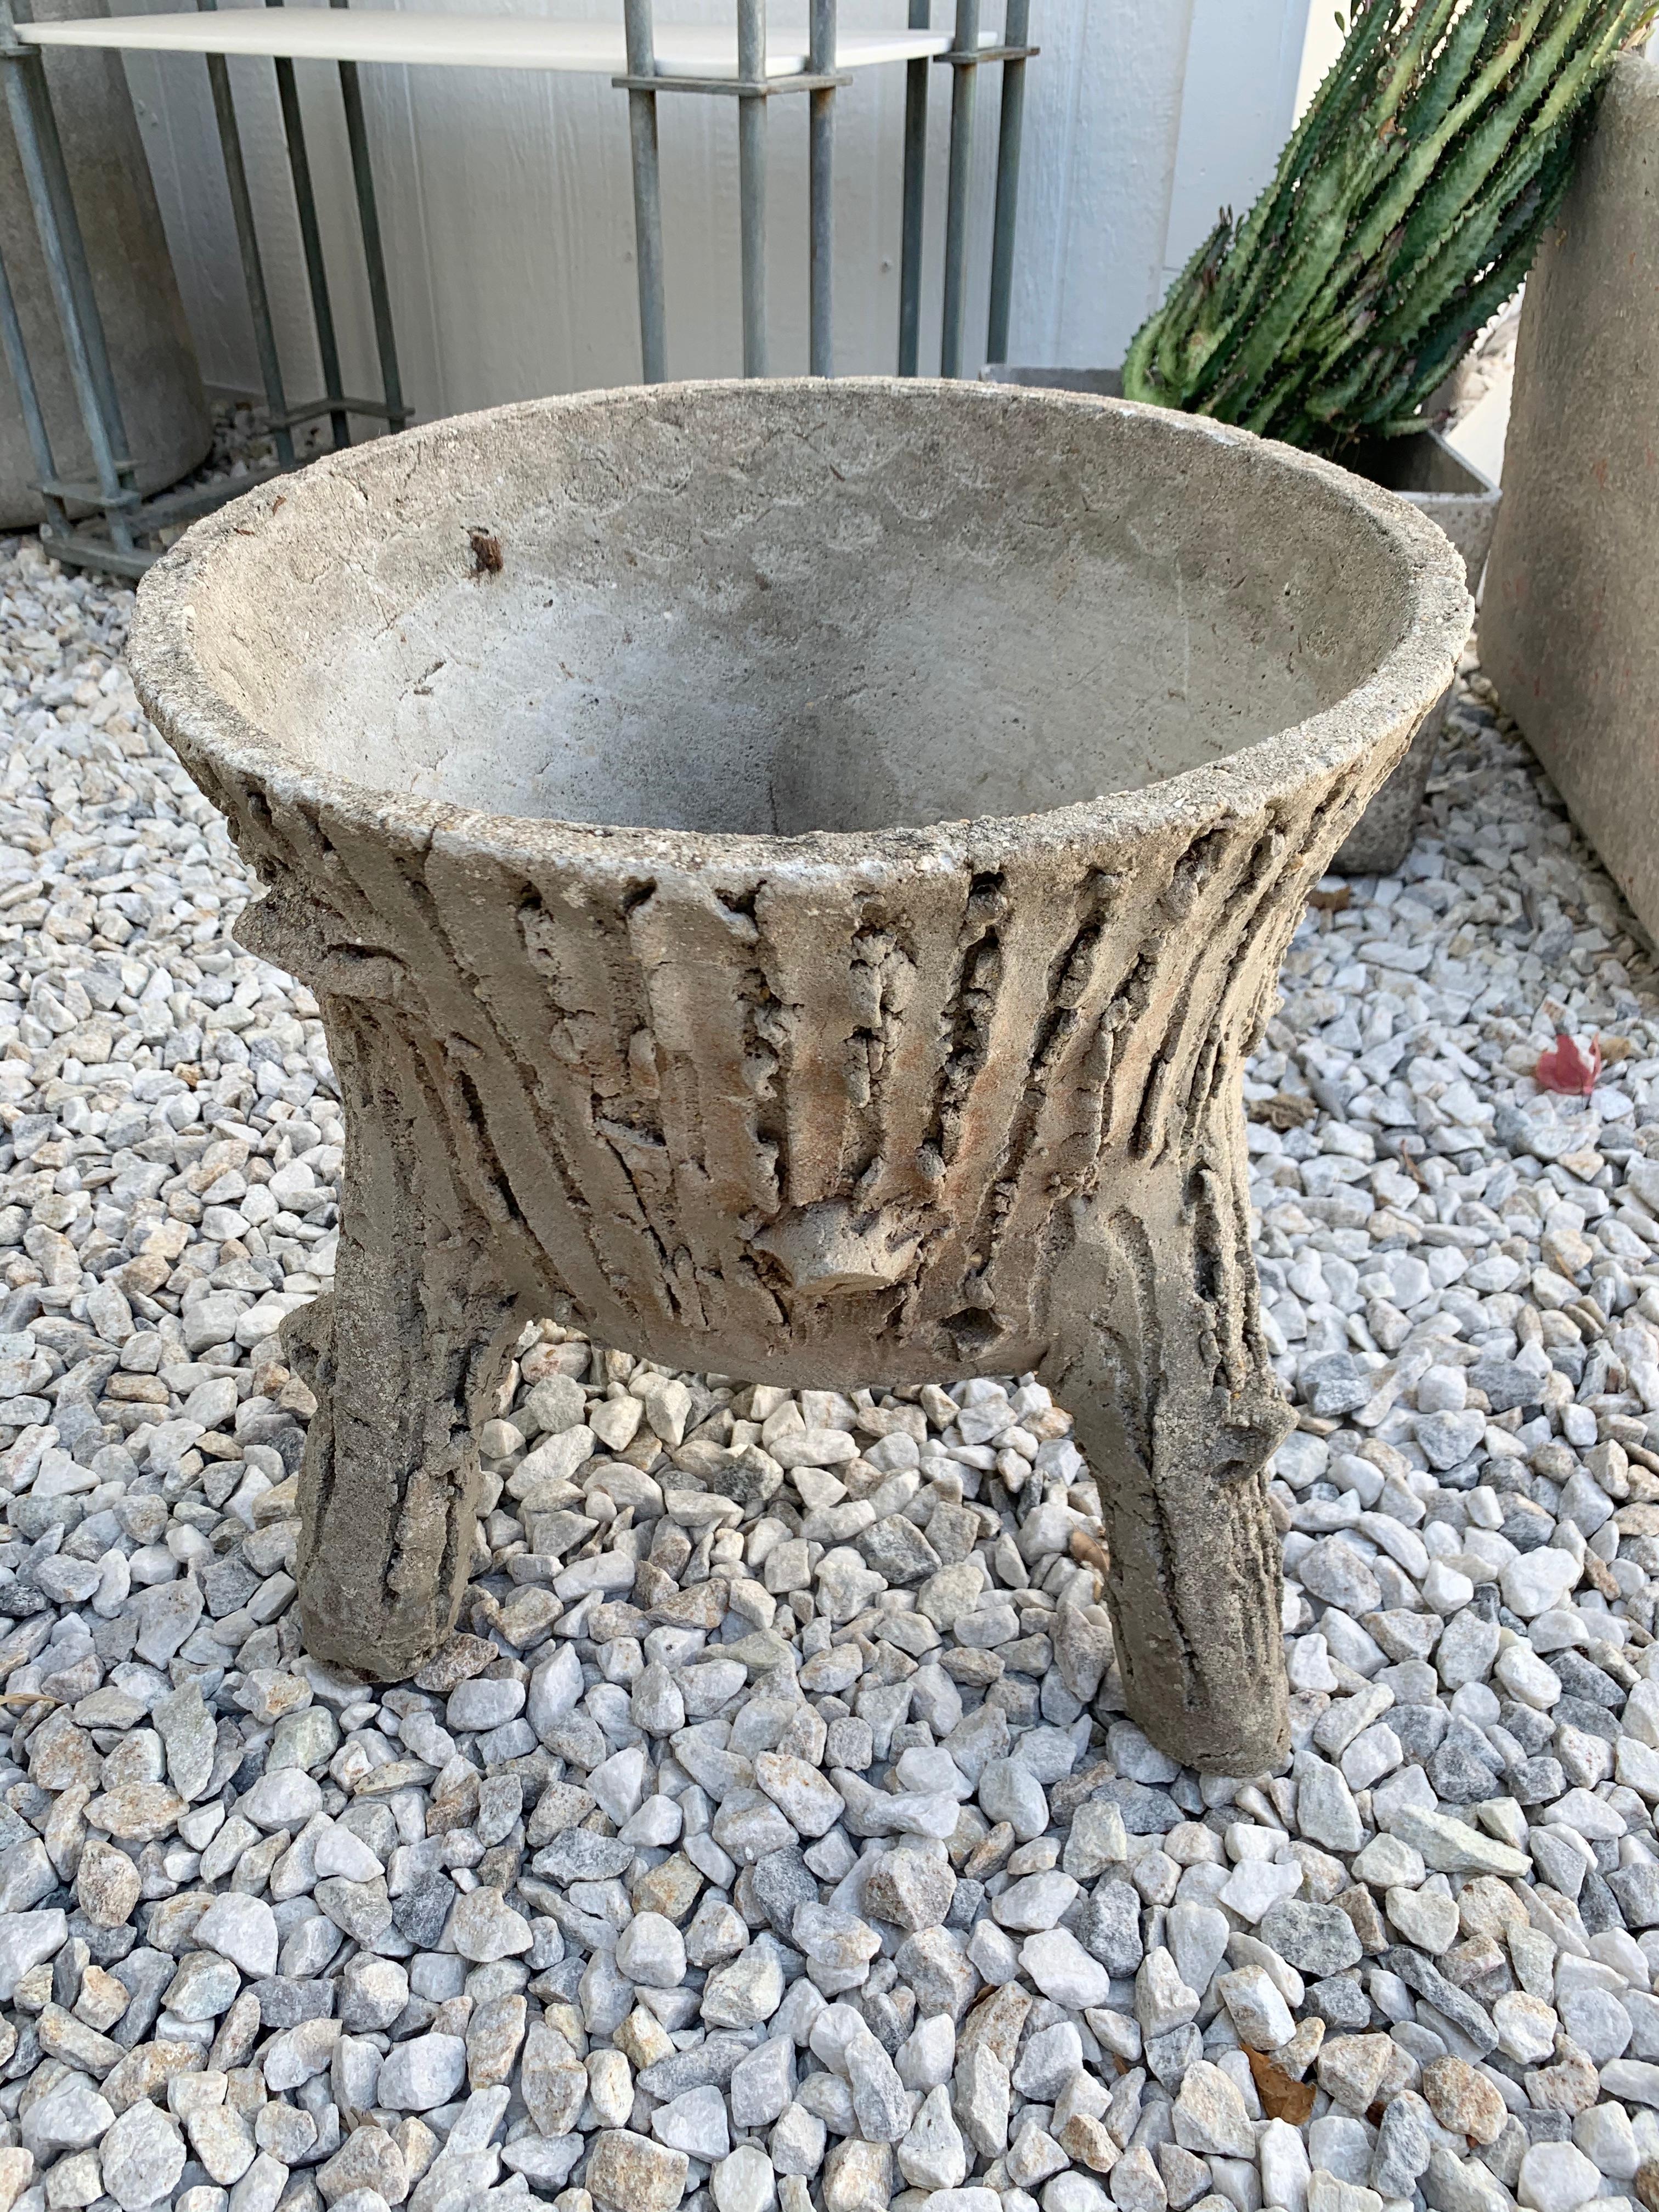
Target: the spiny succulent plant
pixel 1405 208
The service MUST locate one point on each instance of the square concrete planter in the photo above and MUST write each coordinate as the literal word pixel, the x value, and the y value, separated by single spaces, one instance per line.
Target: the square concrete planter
pixel 1567 630
pixel 1423 469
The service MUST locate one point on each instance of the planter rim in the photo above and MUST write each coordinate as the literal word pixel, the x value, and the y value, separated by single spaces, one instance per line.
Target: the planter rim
pixel 204 726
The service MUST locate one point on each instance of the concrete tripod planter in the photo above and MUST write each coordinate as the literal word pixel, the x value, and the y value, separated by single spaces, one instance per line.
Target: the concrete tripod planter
pixel 790 871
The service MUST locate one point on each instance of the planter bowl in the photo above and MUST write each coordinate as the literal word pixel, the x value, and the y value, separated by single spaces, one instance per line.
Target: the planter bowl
pixel 791 871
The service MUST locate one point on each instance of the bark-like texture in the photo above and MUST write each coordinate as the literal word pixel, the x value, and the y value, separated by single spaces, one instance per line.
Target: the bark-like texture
pixel 404 1355
pixel 823 1108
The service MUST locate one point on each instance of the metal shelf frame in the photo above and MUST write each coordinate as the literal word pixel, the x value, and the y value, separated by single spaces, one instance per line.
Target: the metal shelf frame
pixel 104 523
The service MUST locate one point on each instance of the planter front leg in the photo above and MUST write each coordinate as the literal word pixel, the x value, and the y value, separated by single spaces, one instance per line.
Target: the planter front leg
pixel 404 1357
pixel 1156 1351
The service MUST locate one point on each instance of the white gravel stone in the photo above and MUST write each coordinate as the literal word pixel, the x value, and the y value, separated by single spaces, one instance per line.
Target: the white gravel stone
pixel 1057 1965
pixel 242 1929
pixel 840 1919
pixel 1258 2010
pixel 422 2074
pixel 651 1951
pixel 1556 2176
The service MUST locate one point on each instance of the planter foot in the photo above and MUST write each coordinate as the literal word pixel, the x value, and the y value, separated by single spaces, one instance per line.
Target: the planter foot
pixel 1177 1412
pixel 404 1357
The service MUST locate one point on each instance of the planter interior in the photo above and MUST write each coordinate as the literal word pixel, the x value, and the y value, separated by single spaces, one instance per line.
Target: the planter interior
pixel 791 872
pixel 667 658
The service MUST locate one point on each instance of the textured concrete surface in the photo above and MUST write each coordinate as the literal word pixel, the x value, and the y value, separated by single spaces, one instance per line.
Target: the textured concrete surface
pixel 1452 493
pixel 167 424
pixel 1567 630
pixel 791 872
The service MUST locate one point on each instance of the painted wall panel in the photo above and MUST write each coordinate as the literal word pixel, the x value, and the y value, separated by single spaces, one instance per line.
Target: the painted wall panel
pixel 507 207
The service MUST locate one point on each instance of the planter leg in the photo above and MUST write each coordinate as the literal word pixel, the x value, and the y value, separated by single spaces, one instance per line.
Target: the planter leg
pixel 1156 1351
pixel 403 1357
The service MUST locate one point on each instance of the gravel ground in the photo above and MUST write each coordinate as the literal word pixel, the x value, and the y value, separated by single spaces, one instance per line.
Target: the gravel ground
pixel 772 1834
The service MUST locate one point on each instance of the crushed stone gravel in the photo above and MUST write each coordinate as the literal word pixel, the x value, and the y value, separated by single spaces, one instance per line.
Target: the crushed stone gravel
pixel 771 1834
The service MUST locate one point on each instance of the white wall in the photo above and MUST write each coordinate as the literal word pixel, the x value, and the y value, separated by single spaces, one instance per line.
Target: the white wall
pixel 507 207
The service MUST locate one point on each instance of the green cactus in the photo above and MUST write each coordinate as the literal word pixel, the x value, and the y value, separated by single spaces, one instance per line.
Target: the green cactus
pixel 1405 208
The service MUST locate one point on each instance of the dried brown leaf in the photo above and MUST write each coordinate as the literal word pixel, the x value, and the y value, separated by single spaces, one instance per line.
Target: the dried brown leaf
pixel 1281 2098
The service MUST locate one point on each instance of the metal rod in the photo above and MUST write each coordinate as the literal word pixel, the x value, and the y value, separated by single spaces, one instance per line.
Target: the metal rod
pixel 730 88
pixel 30 109
pixel 821 157
pixel 28 395
pixel 647 191
pixel 74 245
pixel 79 549
pixel 915 173
pixel 1016 32
pixel 171 506
pixel 253 273
pixel 752 183
pixel 368 221
pixel 963 76
pixel 311 239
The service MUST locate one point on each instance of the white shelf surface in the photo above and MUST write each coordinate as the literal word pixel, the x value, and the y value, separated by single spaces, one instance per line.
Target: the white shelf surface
pixel 515 42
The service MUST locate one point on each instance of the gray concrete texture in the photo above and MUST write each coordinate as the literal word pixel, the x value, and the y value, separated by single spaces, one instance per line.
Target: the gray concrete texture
pixel 1424 468
pixel 1567 630
pixel 168 426
pixel 791 872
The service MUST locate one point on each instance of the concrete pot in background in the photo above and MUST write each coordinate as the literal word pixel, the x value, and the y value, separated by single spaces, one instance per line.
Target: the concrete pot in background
pixel 167 424
pixel 1567 630
pixel 1423 469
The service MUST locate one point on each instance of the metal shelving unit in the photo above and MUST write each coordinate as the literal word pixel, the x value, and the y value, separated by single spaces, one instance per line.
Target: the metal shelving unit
pixel 105 522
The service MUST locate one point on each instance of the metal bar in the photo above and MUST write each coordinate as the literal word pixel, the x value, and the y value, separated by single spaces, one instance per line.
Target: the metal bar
pixel 369 220
pixel 752 183
pixel 647 191
pixel 89 495
pixel 821 157
pixel 775 87
pixel 311 239
pixel 199 498
pixel 253 273
pixel 80 549
pixel 376 409
pixel 915 173
pixel 28 396
pixel 84 548
pixel 963 78
pixel 1016 28
pixel 75 252
pixel 30 109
